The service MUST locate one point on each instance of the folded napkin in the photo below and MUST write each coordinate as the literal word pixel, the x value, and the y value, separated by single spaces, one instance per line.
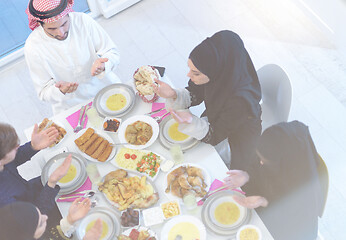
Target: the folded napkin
pixel 86 186
pixel 73 118
pixel 215 184
pixel 155 106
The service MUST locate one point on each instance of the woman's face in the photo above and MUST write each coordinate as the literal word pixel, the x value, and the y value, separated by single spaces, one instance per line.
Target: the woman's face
pixel 41 226
pixel 195 75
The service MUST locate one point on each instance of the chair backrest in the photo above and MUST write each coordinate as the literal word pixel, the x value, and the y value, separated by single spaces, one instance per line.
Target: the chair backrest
pixel 276 94
pixel 324 181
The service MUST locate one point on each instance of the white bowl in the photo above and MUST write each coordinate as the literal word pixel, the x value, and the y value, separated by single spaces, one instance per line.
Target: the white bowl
pixel 249 226
pixel 111 118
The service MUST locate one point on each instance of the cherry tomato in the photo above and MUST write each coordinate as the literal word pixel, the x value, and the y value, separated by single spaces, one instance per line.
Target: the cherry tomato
pixel 133 156
pixel 127 155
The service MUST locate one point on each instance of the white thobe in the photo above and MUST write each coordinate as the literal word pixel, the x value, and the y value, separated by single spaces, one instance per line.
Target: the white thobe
pixel 51 60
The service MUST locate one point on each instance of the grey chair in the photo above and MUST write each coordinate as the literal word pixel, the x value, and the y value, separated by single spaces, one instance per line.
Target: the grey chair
pixel 276 94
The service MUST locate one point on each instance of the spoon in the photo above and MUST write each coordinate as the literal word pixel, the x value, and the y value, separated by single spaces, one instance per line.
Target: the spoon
pixel 87 195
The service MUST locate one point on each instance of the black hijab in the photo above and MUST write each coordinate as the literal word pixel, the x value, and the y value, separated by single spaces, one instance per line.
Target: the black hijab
pixel 224 59
pixel 18 221
pixel 288 179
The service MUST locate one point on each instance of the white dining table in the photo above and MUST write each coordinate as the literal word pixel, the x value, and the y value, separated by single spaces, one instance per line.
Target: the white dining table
pixel 203 154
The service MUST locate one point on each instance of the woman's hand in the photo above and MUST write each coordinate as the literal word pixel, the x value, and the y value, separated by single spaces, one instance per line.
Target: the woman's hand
pixel 43 139
pixel 251 202
pixel 66 87
pixel 60 172
pixel 95 232
pixel 163 89
pixel 98 66
pixel 78 210
pixel 182 116
pixel 236 178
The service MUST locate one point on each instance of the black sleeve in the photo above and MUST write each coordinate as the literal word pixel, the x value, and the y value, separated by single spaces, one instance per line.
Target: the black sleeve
pixel 196 93
pixel 24 153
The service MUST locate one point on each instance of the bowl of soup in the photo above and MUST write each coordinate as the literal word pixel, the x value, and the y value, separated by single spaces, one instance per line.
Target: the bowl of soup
pixel 249 232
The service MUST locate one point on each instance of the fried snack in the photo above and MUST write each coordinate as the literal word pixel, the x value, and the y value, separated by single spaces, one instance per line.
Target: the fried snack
pixel 138 133
pixel 43 124
pixel 85 137
pixel 104 156
pixel 46 123
pixel 94 146
pixel 100 149
pixel 88 143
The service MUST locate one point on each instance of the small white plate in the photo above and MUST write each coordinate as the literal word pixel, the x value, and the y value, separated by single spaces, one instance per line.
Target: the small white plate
pixel 131 120
pixel 101 134
pixel 111 118
pixel 207 181
pixel 183 219
pixel 250 226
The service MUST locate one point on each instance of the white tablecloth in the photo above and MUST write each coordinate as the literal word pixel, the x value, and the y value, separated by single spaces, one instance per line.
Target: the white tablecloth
pixel 203 154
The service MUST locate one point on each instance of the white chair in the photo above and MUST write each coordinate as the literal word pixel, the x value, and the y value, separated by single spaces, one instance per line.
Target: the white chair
pixel 276 94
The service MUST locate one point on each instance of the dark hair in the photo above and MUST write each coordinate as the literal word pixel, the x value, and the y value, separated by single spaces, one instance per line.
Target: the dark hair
pixel 8 139
pixel 41 22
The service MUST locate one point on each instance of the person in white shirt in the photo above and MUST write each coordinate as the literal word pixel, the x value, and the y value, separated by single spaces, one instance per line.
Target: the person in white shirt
pixel 70 57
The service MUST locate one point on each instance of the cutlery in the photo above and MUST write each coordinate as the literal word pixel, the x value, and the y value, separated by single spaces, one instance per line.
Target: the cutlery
pixel 118 144
pixel 84 118
pixel 156 111
pixel 79 127
pixel 87 195
pixel 80 192
pixel 217 190
pixel 158 119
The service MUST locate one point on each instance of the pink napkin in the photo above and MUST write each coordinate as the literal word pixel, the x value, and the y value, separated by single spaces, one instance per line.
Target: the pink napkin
pixel 155 106
pixel 73 118
pixel 86 186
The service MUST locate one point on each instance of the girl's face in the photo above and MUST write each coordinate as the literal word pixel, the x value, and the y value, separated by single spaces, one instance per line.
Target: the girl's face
pixel 41 225
pixel 195 75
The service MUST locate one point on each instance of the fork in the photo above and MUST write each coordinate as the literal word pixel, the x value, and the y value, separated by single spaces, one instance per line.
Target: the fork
pixel 158 119
pixel 79 127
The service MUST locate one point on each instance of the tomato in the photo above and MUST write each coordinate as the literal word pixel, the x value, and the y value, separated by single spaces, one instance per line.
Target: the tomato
pixel 138 164
pixel 133 156
pixel 151 166
pixel 127 155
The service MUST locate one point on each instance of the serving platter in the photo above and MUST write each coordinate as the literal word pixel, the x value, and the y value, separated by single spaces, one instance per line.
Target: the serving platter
pixel 117 88
pixel 76 180
pixel 101 134
pixel 110 222
pixel 207 181
pixel 131 120
pixel 168 142
pixel 139 229
pixel 210 221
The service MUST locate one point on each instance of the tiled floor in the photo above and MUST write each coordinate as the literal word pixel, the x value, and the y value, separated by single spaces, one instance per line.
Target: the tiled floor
pixel 163 32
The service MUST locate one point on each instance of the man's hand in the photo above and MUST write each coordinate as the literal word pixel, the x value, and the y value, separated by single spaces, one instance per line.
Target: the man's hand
pixel 163 89
pixel 98 66
pixel 43 139
pixel 236 178
pixel 182 116
pixel 78 210
pixel 95 232
pixel 60 172
pixel 66 87
pixel 251 202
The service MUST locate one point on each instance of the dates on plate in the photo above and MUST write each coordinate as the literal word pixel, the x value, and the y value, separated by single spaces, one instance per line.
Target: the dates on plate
pixel 130 218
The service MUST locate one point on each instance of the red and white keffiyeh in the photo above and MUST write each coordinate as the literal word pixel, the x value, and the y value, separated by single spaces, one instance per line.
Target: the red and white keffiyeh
pixel 44 6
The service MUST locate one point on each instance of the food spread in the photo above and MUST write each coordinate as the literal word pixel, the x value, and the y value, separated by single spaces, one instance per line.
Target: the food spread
pixel 227 213
pixel 249 234
pixel 138 133
pixel 111 125
pixel 186 230
pixel 116 102
pixel 175 134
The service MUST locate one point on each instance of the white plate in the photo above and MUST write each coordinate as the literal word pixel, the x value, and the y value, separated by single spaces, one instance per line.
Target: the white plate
pixel 140 228
pixel 250 226
pixel 131 120
pixel 113 161
pixel 166 127
pixel 106 215
pixel 101 134
pixel 111 92
pixel 207 181
pixel 182 219
pixel 60 125
pixel 74 163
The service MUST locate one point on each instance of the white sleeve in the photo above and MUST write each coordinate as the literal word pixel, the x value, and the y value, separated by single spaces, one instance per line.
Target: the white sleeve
pixel 104 46
pixel 198 128
pixel 43 82
pixel 183 100
pixel 66 227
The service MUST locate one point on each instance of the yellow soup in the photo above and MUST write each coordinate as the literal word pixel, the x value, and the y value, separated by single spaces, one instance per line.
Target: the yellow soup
pixel 187 230
pixel 249 234
pixel 70 175
pixel 174 133
pixel 104 228
pixel 227 213
pixel 116 102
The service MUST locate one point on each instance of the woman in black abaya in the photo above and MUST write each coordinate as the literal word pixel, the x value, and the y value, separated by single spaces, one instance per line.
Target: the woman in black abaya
pixel 222 76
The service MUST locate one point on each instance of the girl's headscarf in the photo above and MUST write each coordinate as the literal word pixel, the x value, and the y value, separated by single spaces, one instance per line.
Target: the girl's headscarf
pixel 224 59
pixel 18 221
pixel 47 11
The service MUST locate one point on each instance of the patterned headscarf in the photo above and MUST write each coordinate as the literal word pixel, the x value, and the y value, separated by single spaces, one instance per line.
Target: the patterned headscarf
pixel 47 11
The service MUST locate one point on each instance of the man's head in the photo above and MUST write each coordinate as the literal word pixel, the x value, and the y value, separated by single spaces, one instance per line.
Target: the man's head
pixel 52 15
